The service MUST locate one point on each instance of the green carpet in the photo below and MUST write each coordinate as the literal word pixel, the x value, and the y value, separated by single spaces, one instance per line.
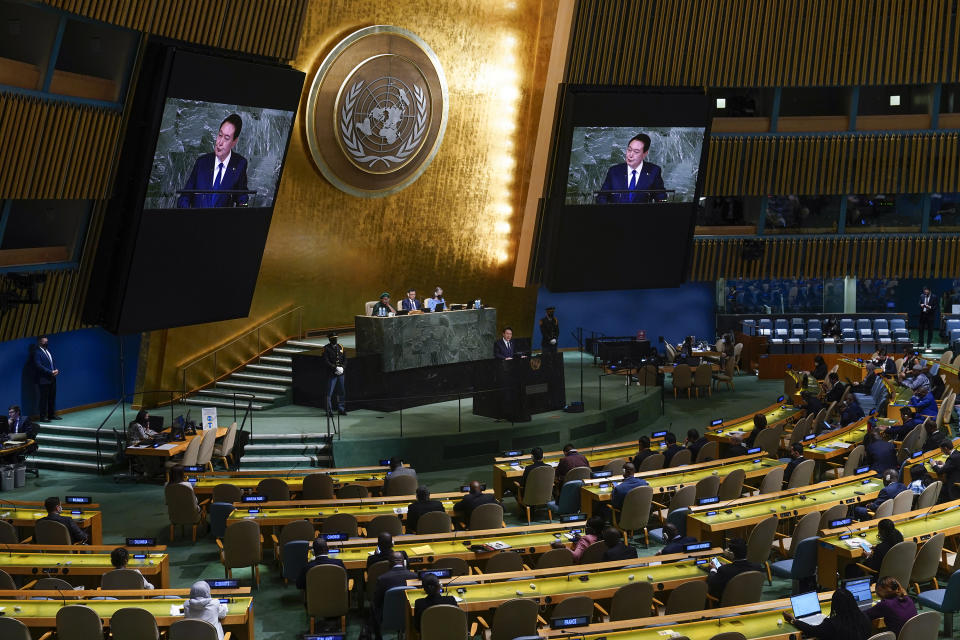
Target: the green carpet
pixel 138 509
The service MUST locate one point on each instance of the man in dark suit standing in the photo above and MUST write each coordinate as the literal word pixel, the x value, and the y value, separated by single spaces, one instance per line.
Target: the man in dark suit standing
pixel 503 348
pixel 320 557
pixel 222 169
pixel 633 180
pixel 336 362
pixel 410 303
pixel 46 380
pixel 928 312
pixel 549 331
pixel 421 506
pixel 52 505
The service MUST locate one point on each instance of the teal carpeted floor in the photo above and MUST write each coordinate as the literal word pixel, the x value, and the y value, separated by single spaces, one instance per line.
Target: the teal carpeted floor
pixel 138 509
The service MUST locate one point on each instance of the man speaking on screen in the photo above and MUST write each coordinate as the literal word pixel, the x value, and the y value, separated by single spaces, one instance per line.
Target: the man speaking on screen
pixel 633 180
pixel 222 169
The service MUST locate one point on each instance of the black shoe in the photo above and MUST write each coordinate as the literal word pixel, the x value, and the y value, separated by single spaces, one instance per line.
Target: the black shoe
pixel 342 412
pixel 56 418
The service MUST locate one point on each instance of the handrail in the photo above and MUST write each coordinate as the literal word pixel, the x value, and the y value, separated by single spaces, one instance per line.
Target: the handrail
pixel 296 313
pixel 121 403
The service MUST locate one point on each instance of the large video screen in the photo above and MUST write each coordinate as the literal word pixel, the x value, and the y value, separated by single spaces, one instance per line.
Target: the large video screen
pixel 211 154
pixel 621 205
pixel 628 165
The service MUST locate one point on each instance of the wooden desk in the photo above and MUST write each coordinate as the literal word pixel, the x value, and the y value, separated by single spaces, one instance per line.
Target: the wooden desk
pixel 169 449
pixel 742 426
pixel 425 549
pixel 370 477
pixel 834 551
pixel 26 517
pixel 927 459
pixel 854 370
pixel 508 470
pixel 42 614
pixel 89 566
pixel 714 522
pixel 15 450
pixel 667 481
pixel 668 368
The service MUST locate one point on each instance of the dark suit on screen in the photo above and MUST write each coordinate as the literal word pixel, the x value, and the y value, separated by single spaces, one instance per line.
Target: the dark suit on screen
pixel 649 185
pixel 202 176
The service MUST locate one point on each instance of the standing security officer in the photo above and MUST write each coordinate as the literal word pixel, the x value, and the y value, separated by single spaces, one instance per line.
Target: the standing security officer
pixel 336 361
pixel 549 331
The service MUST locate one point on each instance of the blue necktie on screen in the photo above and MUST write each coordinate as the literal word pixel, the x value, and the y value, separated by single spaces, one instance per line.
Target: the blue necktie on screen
pixel 633 183
pixel 216 184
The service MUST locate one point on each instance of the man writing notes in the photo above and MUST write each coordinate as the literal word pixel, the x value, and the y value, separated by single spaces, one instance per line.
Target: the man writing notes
pixel 635 180
pixel 222 169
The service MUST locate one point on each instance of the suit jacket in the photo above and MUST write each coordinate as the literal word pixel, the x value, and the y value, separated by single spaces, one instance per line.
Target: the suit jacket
pixel 549 329
pixel 425 603
pixel 649 177
pixel 882 455
pixel 417 509
pixel 851 414
pixel 621 490
pixel 570 461
pixel 502 351
pixel 470 502
pixel 836 392
pixel 793 464
pixel 925 406
pixel 76 533
pixel 932 303
pixel 530 467
pixel 669 452
pixel 333 356
pixel 641 456
pixel 696 446
pixel 735 450
pixel 717 580
pixel 934 440
pixel 889 492
pixel 410 305
pixel 379 556
pixel 951 474
pixel 22 425
pixel 234 177
pixel 302 578
pixel 395 577
pixel 676 545
pixel 43 366
pixel 619 551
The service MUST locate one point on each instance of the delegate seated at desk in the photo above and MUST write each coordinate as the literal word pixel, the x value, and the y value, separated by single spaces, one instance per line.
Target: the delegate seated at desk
pixel 17 423
pixel 139 429
pixel 383 307
pixel 52 505
pixel 411 303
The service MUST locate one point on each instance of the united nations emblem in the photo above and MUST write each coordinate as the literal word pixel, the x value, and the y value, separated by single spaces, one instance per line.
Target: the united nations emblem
pixel 377 111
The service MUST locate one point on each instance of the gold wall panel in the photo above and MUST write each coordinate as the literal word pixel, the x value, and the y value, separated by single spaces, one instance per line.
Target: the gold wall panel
pixel 894 256
pixel 854 163
pixel 768 43
pixel 269 28
pixel 456 226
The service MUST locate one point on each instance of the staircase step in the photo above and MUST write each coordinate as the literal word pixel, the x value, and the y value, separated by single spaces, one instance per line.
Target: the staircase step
pixel 291 448
pixel 262 377
pixel 69 429
pixel 288 350
pixel 225 393
pixel 45 462
pixel 210 402
pixel 107 441
pixel 295 437
pixel 277 359
pixel 306 343
pixel 251 387
pixel 73 454
pixel 254 459
pixel 269 368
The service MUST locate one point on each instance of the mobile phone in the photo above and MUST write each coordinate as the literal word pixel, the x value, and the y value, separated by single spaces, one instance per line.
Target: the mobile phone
pixel 715 563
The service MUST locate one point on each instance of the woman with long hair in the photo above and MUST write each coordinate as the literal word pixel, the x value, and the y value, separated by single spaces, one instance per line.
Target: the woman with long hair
pixel 895 606
pixel 845 622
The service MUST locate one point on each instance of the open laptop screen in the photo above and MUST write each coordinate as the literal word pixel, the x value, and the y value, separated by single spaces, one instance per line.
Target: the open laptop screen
pixel 860 588
pixel 805 604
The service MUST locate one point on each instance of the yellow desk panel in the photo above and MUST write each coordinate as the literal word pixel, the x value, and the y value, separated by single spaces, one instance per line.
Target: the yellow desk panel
pixel 507 470
pixel 835 550
pixel 849 369
pixel 155 567
pixel 709 521
pixel 741 427
pixel 839 442
pixel 169 449
pixel 363 513
pixel 927 460
pixel 206 482
pixel 669 480
pixel 91 521
pixel 43 613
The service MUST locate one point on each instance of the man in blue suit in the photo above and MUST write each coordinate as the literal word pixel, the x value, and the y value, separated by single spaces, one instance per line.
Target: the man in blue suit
pixel 46 374
pixel 410 303
pixel 221 169
pixel 634 175
pixel 503 348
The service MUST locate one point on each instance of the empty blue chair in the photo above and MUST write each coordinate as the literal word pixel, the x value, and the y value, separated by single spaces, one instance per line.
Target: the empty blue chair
pixel 863 323
pixel 883 336
pixel 813 323
pixel 946 601
pixel 217 514
pixel 796 322
pixel 801 568
pixel 766 323
pixel 867 345
pixel 954 335
pixel 898 323
pixel 295 558
pixel 678 517
pixel 953 323
pixel 781 323
pixel 812 343
pixel 846 323
pixel 849 337
pixel 569 500
pixel 881 323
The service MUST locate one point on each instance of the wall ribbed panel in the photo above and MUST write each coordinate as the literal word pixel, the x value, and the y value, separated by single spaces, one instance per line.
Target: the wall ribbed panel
pixel 888 257
pixel 269 28
pixel 750 43
pixel 54 149
pixel 888 163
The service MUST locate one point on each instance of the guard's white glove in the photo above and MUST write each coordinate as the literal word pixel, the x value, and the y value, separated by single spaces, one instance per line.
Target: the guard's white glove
pixel 553 341
pixel 338 371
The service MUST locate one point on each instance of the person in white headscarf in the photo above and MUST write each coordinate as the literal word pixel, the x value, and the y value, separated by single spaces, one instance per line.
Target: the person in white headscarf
pixel 201 606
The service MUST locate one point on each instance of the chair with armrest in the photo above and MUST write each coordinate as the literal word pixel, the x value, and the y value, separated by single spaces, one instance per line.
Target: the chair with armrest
pixel 772 482
pixel 217 514
pixel 802 475
pixel 537 492
pixel 759 543
pixel 769 440
pixel 805 528
pixel 848 468
pixel 562 557
pixel 443 622
pixel 743 588
pixel 394 618
pixel 275 489
pixel 685 497
pixel 13 629
pixel 729 635
pixel 922 626
pixel 341 523
pixel 903 502
pixel 294 557
pixel 634 515
pixel 193 629
pixel 682 379
pixel 504 562
pixel 241 546
pixel 226 492
pixel 708 452
pixel 296 530
pixel 457 566
pixel 927 562
pixel 801 568
pixel 884 635
pixel 594 553
pixel 133 623
pixel 388 523
pixel 183 508
pixel 6 580
pixel 223 451
pixel 78 622
pixel 189 458
pixel 681 458
pixel 731 487
pixel 122 579
pixel 686 598
pixel 897 563
pixel 8 534
pixel 634 600
pixel 402 486
pixel 578 473
pixel 614 466
pixel 652 463
pixel 946 601
pixel 708 487
pixel 434 522
pixel 703 379
pixel 327 594
pixel 349 491
pixel 318 486
pixel 512 619
pixel 678 518
pixel 575 607
pixel 569 500
pixel 836 512
pixel 47 532
pixel 487 516
pixel 929 496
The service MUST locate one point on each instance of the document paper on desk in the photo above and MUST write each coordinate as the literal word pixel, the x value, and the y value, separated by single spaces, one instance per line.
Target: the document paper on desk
pixel 168 447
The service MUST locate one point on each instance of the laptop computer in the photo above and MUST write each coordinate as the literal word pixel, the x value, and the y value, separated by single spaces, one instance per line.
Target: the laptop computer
pixel 806 607
pixel 860 588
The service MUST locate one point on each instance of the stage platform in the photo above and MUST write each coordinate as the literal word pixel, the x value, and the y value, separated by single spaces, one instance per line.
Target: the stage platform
pixel 444 435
